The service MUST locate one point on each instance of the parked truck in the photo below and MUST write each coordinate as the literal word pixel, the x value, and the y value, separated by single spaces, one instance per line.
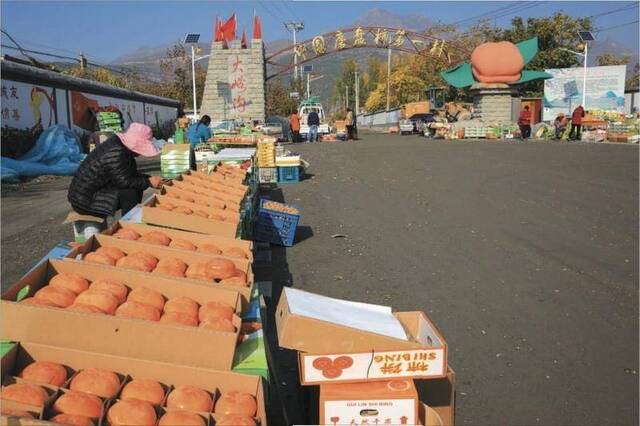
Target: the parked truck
pixel 306 106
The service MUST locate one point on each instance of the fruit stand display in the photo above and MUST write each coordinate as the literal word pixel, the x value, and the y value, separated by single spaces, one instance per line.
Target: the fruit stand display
pixel 161 318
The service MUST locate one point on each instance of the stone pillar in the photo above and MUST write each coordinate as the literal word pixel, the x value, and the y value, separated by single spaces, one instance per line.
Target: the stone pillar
pixel 235 83
pixel 492 102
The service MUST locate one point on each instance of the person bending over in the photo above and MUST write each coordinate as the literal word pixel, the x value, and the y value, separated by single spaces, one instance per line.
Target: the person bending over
pixel 108 179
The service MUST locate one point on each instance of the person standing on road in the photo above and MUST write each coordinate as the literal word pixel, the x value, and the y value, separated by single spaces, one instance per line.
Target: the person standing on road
pixel 199 132
pixel 560 124
pixel 108 179
pixel 313 120
pixel 294 123
pixel 348 122
pixel 525 123
pixel 576 123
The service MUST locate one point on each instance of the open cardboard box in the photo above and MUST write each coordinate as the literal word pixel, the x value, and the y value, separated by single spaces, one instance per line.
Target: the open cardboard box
pixel 196 188
pixel 168 197
pixel 371 356
pixel 170 374
pixel 111 334
pixel 196 239
pixel 214 186
pixel 161 252
pixel 172 192
pixel 156 216
pixel 233 181
pixel 440 396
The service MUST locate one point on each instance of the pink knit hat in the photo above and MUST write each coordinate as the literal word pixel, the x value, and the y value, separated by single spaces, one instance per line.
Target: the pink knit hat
pixel 138 139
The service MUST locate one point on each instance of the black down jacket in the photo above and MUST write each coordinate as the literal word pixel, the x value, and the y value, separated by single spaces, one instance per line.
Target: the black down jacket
pixel 106 170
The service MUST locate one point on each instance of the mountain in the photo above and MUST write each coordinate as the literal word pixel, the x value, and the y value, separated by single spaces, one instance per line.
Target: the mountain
pixel 380 17
pixel 606 45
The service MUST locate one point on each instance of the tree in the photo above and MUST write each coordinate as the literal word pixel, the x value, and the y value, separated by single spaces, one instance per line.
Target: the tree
pixel 176 65
pixel 633 83
pixel 279 101
pixel 611 59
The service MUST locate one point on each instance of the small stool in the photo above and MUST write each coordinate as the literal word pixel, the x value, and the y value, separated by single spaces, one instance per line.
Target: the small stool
pixel 85 226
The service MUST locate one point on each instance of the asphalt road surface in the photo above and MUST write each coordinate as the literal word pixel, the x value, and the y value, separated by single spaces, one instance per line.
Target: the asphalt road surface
pixel 525 255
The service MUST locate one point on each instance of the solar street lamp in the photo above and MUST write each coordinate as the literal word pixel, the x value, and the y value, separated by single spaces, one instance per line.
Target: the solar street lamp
pixel 585 37
pixel 192 39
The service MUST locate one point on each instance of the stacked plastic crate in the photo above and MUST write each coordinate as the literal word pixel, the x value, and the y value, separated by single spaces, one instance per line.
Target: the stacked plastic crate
pixel 266 161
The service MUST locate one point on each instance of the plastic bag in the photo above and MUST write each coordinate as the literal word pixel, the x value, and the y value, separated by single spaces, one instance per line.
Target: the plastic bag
pixel 56 152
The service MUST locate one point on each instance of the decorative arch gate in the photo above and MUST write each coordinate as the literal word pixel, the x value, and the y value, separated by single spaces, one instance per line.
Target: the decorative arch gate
pixel 364 37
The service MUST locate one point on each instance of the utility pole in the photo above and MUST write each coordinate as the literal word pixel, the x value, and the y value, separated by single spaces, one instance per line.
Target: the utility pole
pixel 357 93
pixel 388 76
pixel 308 92
pixel 346 103
pixel 83 61
pixel 584 76
pixel 294 27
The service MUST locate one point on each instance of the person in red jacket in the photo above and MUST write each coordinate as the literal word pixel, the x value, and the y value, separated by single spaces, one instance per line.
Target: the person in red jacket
pixel 525 122
pixel 576 123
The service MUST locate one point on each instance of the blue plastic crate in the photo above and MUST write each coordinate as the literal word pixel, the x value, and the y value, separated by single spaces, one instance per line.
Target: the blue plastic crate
pixel 289 174
pixel 276 227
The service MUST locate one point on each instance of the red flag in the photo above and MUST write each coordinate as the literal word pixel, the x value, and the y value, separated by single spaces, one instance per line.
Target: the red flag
pixel 229 28
pixel 243 42
pixel 257 28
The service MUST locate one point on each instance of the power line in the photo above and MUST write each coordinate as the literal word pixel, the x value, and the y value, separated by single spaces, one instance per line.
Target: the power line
pixel 600 30
pixel 598 15
pixel 486 13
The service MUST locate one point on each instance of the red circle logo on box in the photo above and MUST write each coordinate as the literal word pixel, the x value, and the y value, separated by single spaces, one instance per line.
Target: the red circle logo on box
pixel 332 369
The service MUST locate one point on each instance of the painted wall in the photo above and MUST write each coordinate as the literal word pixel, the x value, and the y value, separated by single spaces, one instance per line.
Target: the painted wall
pixel 26 105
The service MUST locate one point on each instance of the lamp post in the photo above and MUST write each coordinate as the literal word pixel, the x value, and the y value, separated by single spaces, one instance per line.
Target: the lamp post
pixel 586 37
pixel 192 39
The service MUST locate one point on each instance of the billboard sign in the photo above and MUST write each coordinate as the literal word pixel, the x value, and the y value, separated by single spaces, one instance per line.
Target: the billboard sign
pixel 563 92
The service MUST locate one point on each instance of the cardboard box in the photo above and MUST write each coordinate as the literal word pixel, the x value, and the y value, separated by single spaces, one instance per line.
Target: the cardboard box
pixel 162 252
pixel 228 215
pixel 176 193
pixel 229 185
pixel 197 239
pixel 372 356
pixel 169 374
pixel 389 402
pixel 196 188
pixel 155 216
pixel 440 396
pixel 116 335
pixel 233 179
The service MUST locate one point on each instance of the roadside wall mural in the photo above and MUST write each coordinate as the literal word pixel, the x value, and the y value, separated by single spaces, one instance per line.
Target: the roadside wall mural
pixel 563 92
pixel 25 106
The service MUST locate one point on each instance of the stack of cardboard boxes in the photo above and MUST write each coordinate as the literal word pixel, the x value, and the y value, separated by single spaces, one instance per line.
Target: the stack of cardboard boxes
pixel 374 367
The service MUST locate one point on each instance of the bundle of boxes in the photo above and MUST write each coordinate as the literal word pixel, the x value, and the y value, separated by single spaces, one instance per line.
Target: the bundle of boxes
pixel 373 366
pixel 174 160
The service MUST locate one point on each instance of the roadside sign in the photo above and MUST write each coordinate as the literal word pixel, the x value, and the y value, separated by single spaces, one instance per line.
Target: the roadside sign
pixel 294 95
pixel 307 68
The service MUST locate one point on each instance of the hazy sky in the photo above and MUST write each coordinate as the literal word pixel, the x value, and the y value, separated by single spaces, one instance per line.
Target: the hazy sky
pixel 105 30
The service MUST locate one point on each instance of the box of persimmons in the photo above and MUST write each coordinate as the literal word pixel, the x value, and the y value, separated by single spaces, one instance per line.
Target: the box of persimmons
pixel 58 384
pixel 166 213
pixel 200 206
pixel 147 256
pixel 111 310
pixel 190 241
pixel 340 341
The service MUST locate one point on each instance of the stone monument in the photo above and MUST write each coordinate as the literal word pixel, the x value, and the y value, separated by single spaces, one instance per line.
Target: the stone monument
pixel 492 102
pixel 235 83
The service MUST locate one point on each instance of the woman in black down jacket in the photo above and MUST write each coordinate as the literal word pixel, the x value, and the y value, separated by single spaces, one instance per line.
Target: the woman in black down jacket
pixel 108 179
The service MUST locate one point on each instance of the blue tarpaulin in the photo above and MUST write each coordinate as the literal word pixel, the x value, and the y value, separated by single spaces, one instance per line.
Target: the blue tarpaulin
pixel 56 152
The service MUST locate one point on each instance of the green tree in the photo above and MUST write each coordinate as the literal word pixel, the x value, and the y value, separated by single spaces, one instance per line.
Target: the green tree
pixel 347 80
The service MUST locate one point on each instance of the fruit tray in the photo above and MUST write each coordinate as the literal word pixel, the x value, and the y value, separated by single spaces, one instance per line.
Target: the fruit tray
pixel 277 223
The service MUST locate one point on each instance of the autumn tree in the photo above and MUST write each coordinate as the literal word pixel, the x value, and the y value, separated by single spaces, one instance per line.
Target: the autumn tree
pixel 607 59
pixel 176 65
pixel 278 97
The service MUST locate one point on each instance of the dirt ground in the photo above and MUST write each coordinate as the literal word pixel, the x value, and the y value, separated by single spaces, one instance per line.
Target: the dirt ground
pixel 525 255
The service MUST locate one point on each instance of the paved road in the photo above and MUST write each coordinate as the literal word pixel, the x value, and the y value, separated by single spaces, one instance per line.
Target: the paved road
pixel 524 255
